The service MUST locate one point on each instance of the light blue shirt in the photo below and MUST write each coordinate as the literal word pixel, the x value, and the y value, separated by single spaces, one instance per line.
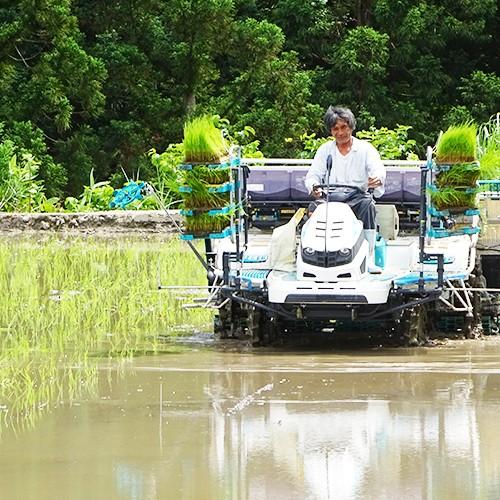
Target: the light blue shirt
pixel 353 169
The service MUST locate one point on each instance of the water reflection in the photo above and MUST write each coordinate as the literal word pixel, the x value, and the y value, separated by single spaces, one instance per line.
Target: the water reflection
pixel 205 425
pixel 355 436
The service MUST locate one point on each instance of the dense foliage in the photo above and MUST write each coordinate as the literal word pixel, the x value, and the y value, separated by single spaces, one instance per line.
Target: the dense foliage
pixel 89 85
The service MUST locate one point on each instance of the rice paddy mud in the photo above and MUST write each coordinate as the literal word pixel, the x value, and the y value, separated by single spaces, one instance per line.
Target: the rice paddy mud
pixel 110 389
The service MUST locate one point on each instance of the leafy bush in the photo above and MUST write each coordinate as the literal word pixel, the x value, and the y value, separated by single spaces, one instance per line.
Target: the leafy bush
pixel 310 144
pixel 167 172
pixel 29 139
pixel 392 144
pixel 95 197
pixel 20 189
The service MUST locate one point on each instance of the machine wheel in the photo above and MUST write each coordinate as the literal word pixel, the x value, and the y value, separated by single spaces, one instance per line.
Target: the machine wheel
pixel 228 322
pixel 261 328
pixel 414 326
pixel 270 330
pixel 254 318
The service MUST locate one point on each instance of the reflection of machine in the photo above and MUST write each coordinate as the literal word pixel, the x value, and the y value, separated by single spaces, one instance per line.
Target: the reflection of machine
pixel 428 272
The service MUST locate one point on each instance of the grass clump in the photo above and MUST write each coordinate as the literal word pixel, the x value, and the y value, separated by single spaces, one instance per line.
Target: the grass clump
pixel 457 145
pixel 203 141
pixel 489 148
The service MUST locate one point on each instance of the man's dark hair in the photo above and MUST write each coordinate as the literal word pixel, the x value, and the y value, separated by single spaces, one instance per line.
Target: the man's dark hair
pixel 332 115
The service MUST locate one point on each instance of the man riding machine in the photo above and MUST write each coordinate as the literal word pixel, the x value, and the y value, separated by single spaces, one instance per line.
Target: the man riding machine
pixel 348 170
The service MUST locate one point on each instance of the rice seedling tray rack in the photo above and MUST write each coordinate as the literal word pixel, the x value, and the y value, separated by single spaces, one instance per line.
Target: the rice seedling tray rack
pixel 226 187
pixel 208 236
pixel 445 167
pixel 213 212
pixel 445 233
pixel 214 166
pixel 452 199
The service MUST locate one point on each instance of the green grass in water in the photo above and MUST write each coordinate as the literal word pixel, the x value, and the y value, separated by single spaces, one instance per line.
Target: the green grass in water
pixel 457 144
pixel 65 301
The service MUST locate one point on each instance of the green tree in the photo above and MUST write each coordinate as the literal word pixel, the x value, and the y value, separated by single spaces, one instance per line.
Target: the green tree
pixel 46 76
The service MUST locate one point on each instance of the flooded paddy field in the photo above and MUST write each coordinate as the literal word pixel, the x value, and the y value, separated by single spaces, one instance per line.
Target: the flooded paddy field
pixel 102 397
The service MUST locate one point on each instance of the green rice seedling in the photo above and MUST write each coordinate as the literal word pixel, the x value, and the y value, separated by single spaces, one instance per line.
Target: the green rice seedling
pixel 203 141
pixel 457 144
pixel 70 299
pixel 201 197
pixel 449 197
pixel 209 175
pixel 459 175
pixel 204 223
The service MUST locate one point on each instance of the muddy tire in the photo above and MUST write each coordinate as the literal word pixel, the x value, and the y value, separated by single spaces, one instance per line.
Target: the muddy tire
pixel 228 323
pixel 414 326
pixel 262 329
pixel 254 319
pixel 270 330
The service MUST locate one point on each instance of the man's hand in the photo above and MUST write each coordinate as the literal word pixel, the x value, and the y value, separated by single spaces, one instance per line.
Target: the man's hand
pixel 317 192
pixel 374 182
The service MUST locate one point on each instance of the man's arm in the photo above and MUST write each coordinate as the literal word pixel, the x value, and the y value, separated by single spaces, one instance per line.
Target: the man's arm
pixel 376 172
pixel 317 171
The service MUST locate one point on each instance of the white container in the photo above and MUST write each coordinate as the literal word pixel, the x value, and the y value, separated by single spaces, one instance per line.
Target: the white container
pixel 388 221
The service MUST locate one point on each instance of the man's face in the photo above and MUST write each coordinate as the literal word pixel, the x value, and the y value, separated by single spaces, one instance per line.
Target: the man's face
pixel 342 132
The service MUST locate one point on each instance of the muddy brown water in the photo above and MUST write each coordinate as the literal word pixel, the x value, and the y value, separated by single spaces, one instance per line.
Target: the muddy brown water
pixel 272 424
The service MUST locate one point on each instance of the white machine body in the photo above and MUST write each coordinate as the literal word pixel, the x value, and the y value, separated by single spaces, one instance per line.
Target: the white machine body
pixel 332 246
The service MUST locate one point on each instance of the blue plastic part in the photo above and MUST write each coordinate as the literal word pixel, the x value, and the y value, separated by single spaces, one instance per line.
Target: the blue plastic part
pixel 380 251
pixel 209 236
pixel 446 213
pixel 256 274
pixel 127 194
pixel 254 259
pixel 414 277
pixel 446 233
pixel 216 166
pixel 223 188
pixel 248 276
pixel 212 212
pixel 443 167
pixel 447 260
